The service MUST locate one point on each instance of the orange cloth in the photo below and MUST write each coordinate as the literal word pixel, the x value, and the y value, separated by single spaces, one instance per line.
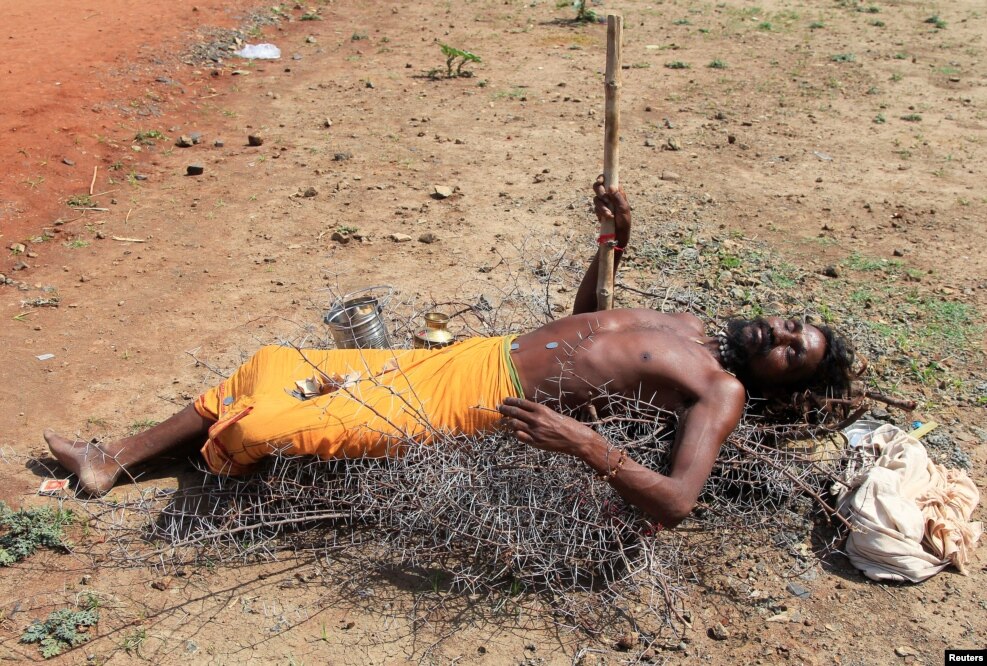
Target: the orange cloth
pixel 387 397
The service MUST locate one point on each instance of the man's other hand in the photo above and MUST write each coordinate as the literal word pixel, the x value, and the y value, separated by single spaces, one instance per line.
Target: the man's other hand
pixel 539 426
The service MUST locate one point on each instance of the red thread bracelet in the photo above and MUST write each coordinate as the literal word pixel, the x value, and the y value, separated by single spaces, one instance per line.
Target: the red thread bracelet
pixel 604 238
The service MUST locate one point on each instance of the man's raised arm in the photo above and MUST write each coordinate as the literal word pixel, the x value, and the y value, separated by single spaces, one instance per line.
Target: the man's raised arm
pixel 606 205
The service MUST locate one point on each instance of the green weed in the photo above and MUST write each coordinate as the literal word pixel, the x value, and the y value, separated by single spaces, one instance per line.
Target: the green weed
pixel 453 55
pixel 76 244
pixel 717 64
pixel 583 13
pixel 148 137
pixel 817 25
pixel 843 57
pixel 879 119
pixel 62 630
pixel 26 530
pixel 133 641
pixel 912 117
pixel 80 201
pixel 141 425
pixel 936 21
pixel 677 64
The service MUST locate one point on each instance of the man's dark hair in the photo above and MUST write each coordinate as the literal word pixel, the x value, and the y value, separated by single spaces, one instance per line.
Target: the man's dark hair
pixel 834 375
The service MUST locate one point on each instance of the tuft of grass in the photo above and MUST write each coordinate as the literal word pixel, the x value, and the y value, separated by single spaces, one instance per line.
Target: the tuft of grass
pixel 817 25
pixel 877 24
pixel 879 119
pixel 681 21
pixel 26 530
pixel 677 64
pixel 936 21
pixel 141 425
pixel 80 201
pixel 358 36
pixel 134 640
pixel 310 16
pixel 717 64
pixel 148 137
pixel 843 57
pixel 765 26
pixel 76 244
pixel 859 262
pixel 912 117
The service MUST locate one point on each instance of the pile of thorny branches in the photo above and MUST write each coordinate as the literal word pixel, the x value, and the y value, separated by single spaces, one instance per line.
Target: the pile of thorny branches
pixel 493 513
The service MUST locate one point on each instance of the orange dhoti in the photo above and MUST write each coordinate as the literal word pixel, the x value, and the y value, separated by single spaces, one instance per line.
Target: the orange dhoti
pixel 379 400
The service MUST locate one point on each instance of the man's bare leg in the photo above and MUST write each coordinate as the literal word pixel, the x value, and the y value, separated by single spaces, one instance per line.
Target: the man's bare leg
pixel 99 465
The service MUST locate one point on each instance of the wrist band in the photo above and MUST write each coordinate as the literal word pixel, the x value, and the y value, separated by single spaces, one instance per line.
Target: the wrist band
pixel 613 471
pixel 605 238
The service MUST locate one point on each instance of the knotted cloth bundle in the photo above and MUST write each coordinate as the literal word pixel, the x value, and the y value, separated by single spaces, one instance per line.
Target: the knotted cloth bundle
pixel 911 516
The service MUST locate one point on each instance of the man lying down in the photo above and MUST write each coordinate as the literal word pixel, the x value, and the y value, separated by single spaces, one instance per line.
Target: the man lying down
pixel 526 384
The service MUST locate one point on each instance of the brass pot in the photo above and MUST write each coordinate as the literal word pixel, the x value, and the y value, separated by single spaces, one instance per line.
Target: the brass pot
pixel 435 335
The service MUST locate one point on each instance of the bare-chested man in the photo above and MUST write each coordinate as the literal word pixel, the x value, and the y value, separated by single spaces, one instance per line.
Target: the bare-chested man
pixel 569 365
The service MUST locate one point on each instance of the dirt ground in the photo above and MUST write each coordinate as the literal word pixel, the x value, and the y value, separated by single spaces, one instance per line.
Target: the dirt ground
pixel 845 136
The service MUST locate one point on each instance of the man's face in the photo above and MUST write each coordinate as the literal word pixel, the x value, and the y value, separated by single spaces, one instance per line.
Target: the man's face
pixel 776 351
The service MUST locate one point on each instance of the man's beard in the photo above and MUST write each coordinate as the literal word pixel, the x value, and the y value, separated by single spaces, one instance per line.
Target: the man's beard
pixel 740 346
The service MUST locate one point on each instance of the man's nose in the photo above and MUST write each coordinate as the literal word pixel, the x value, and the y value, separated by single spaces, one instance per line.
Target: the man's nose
pixel 782 335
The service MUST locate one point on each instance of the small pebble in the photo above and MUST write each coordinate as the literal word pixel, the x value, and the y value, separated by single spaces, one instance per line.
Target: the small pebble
pixel 66 161
pixel 255 140
pixel 194 170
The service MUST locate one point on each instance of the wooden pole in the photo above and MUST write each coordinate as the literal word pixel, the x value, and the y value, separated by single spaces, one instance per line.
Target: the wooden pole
pixel 604 279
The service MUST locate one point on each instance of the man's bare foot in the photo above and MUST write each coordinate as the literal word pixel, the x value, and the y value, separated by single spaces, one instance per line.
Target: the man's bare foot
pixel 97 471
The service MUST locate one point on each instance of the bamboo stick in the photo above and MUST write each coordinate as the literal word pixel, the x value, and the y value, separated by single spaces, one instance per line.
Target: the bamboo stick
pixel 604 280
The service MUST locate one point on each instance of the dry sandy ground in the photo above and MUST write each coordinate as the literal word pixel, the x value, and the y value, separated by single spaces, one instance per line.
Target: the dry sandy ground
pixel 836 132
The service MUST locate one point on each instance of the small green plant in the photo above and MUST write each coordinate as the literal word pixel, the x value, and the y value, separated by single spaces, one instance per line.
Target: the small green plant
pixel 26 530
pixel 843 57
pixel 817 25
pixel 134 640
pixel 901 56
pixel 583 13
pixel 879 119
pixel 63 629
pixel 141 425
pixel 358 36
pixel 681 21
pixel 677 64
pixel 729 261
pixel 765 26
pixel 896 76
pixel 453 55
pixel 912 117
pixel 717 64
pixel 877 24
pixel 80 201
pixel 870 9
pixel 76 243
pixel 148 137
pixel 310 16
pixel 936 21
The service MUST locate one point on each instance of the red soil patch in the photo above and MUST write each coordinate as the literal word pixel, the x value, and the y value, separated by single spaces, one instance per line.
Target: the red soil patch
pixel 79 80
